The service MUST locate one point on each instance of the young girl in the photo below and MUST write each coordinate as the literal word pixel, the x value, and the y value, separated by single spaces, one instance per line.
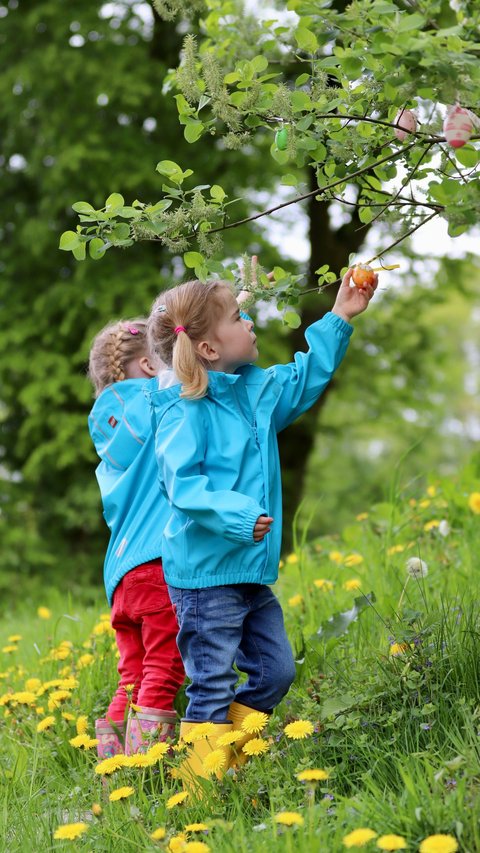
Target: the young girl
pixel 150 666
pixel 216 443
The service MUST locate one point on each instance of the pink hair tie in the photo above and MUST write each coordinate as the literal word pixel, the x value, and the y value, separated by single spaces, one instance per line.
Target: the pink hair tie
pixel 179 329
pixel 132 330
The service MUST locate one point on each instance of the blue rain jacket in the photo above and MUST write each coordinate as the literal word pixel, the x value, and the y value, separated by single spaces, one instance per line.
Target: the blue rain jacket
pixel 219 465
pixel 133 507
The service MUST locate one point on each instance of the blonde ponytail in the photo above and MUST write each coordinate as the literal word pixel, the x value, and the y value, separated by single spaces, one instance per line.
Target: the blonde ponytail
pixel 180 318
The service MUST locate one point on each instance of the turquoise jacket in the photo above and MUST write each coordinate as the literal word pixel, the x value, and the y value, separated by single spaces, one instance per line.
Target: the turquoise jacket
pixel 219 465
pixel 134 509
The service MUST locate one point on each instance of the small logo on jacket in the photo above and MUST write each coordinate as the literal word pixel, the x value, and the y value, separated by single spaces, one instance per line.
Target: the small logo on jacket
pixel 112 421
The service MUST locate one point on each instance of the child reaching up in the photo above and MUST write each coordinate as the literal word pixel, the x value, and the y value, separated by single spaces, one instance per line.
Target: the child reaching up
pixel 216 418
pixel 150 666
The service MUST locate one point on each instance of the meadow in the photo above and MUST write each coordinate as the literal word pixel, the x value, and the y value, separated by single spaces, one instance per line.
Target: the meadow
pixel 376 747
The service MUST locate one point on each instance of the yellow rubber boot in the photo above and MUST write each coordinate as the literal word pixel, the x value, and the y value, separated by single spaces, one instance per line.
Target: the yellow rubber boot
pixel 205 757
pixel 237 713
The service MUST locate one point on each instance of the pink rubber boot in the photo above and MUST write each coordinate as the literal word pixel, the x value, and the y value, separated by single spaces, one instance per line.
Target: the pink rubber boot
pixel 148 726
pixel 111 737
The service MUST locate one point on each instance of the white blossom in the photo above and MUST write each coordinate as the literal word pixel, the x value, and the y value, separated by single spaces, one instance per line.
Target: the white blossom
pixel 416 567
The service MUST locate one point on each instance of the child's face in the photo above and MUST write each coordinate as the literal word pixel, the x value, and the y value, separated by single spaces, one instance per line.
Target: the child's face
pixel 232 339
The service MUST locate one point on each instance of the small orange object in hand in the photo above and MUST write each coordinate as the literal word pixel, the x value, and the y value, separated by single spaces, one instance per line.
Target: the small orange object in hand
pixel 363 275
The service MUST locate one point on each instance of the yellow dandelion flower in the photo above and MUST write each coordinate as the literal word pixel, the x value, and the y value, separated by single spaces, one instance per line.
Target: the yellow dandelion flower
pixel 83 742
pixel 104 617
pixel 177 843
pixel 214 761
pixel 229 738
pixel 295 600
pixel 299 729
pixel 292 559
pixel 85 660
pixel 431 491
pixel 70 718
pixel 40 710
pixel 474 502
pixel 281 564
pixel 121 793
pixel 336 556
pixel 359 837
pixel 33 684
pixel 289 819
pixel 102 628
pixel 361 516
pixel 109 765
pixel 351 585
pixel 201 730
pixel 70 831
pixel 397 649
pixel 254 722
pixel 14 638
pixel 323 583
pixel 44 613
pixel 439 843
pixel 60 653
pixel 395 549
pixel 45 724
pixel 255 746
pixel 196 827
pixel 313 775
pixel 353 560
pixel 424 504
pixel 138 760
pixel 97 809
pixel 176 799
pixel 430 525
pixel 56 698
pixel 158 834
pixel 81 724
pixel 8 650
pixel 157 751
pixel 24 697
pixel 391 842
pixel 196 847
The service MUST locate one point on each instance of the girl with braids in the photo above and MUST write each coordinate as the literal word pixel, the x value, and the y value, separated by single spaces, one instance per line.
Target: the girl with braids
pixel 216 417
pixel 150 666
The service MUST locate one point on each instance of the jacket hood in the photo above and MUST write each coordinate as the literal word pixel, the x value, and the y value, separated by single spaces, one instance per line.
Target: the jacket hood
pixel 119 430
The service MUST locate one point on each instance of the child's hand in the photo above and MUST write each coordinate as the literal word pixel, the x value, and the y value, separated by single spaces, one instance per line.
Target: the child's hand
pixel 262 527
pixel 351 301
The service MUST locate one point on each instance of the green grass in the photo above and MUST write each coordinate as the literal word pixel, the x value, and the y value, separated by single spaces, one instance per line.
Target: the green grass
pixel 399 734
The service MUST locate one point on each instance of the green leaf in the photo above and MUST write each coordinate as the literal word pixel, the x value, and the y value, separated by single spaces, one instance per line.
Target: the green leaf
pixel 217 192
pixel 69 240
pixel 193 131
pixel 289 180
pixel 96 248
pixel 306 39
pixel 468 156
pixel 113 201
pixel 259 63
pixel 411 22
pixel 193 259
pixel 80 252
pixel 171 170
pixel 336 704
pixel 292 319
pixel 83 207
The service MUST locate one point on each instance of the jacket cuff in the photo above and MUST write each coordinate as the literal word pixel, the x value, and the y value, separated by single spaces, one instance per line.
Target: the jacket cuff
pixel 249 522
pixel 337 323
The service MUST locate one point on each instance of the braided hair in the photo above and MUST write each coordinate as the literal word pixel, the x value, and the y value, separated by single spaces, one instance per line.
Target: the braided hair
pixel 113 348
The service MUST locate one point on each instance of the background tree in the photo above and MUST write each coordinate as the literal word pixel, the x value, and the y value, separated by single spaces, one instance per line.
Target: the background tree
pixel 324 89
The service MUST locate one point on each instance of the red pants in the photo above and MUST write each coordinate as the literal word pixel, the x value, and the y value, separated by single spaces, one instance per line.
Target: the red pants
pixel 146 631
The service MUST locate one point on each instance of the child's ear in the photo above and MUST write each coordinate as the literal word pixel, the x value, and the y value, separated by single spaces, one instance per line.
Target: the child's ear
pixel 148 367
pixel 207 352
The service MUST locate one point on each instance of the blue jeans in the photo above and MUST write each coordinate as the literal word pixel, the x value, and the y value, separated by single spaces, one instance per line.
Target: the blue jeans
pixel 220 626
